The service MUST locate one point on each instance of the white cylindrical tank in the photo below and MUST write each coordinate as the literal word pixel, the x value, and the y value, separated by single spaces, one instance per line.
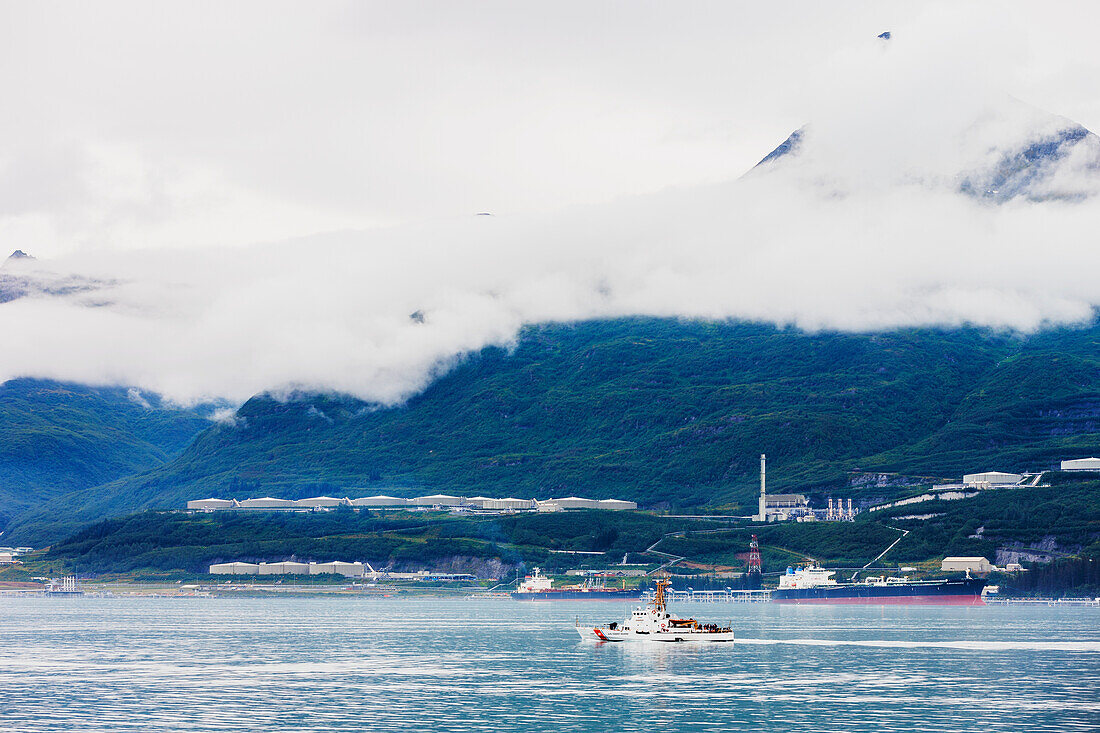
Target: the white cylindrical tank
pixel 1082 464
pixel 211 504
pixel 234 568
pixel 267 502
pixel 320 502
pixel 380 501
pixel 437 500
pixel 617 504
pixel 993 478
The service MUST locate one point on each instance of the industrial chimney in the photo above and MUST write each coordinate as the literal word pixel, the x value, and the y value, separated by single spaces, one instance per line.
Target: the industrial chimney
pixel 763 516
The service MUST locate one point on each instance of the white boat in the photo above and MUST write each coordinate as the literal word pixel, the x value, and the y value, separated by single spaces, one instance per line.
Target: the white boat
pixel 654 623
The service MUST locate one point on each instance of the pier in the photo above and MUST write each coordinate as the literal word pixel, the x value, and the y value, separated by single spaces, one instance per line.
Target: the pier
pixel 1095 602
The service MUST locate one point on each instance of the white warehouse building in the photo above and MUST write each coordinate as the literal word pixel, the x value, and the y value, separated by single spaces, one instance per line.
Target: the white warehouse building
pixel 992 478
pixel 1082 464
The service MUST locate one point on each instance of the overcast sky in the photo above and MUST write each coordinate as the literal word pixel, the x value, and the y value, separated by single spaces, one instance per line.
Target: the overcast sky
pixel 273 187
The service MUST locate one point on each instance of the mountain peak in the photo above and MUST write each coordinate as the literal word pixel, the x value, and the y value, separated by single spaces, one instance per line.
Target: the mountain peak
pixel 19 255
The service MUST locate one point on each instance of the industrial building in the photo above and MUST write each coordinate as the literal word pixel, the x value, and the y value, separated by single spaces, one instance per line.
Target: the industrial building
pixel 781 507
pixel 975 565
pixel 992 479
pixel 1082 464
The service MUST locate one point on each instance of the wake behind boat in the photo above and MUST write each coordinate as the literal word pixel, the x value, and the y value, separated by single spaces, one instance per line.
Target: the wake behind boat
pixel 655 623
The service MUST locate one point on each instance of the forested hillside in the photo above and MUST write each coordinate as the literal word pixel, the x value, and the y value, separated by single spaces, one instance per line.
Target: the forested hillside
pixel 57 438
pixel 669 413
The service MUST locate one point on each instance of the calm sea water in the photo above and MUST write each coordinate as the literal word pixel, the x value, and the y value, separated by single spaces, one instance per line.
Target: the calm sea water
pixel 344 664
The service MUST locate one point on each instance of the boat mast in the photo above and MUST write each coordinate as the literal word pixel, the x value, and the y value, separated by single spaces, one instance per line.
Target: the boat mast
pixel 659 599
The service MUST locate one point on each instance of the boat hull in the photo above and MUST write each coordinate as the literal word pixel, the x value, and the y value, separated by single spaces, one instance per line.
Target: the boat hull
pixel 603 634
pixel 578 595
pixel 966 592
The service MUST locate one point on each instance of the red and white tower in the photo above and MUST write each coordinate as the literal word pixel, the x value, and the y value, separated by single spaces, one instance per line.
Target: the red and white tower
pixel 754 556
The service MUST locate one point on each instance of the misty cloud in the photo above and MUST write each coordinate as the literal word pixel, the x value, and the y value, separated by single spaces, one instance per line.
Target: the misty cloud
pixel 864 228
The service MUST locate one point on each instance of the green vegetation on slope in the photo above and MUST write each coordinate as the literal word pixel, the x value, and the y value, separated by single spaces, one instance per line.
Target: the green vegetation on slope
pixel 56 438
pixel 669 413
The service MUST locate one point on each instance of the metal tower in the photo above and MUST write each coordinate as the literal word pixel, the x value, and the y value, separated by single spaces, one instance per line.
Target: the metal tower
pixel 754 556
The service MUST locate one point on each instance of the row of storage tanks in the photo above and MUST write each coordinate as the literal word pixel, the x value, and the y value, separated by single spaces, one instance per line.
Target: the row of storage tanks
pixel 348 569
pixel 396 502
pixel 1001 478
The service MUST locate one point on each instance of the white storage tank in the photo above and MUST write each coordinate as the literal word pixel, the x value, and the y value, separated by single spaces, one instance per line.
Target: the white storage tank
pixel 992 478
pixel 575 502
pixel 348 569
pixel 210 505
pixel 320 502
pixel 438 500
pixel 235 568
pixel 284 568
pixel 267 502
pixel 617 505
pixel 380 501
pixel 975 565
pixel 1082 464
pixel 508 503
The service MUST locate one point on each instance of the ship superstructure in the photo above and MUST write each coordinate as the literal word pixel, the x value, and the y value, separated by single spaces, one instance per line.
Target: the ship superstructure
pixel 653 622
pixel 813 584
pixel 537 587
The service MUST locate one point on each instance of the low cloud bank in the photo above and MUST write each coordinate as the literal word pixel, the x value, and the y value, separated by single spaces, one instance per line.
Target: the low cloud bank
pixel 335 312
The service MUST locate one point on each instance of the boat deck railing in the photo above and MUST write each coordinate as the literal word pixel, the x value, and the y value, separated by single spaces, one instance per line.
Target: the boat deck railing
pixel 715 596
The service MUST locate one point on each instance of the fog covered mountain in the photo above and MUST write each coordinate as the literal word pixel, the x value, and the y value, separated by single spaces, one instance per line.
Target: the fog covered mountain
pixel 1045 158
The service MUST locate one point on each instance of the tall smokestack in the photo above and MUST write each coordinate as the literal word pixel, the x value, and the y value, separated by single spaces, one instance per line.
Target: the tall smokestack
pixel 763 516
